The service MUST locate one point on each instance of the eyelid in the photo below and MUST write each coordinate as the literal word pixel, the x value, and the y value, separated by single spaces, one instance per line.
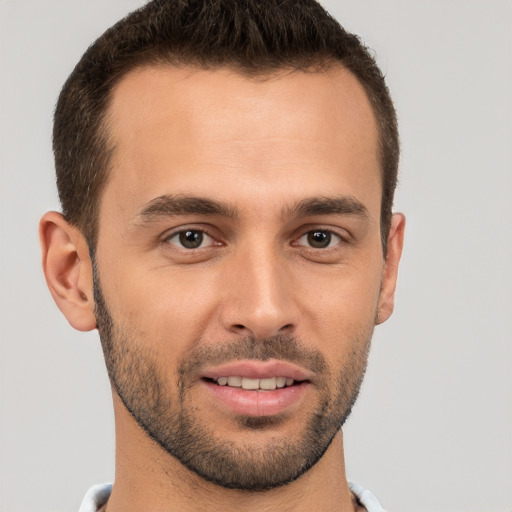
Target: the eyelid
pixel 168 235
pixel 342 235
pixel 335 240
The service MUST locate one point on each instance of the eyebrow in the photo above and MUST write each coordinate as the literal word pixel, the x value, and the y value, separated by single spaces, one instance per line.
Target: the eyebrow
pixel 171 205
pixel 344 205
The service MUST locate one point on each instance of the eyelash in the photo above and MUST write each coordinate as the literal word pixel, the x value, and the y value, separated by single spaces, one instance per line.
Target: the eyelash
pixel 182 232
pixel 329 237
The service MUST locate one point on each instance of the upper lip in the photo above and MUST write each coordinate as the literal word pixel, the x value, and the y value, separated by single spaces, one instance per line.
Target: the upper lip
pixel 253 369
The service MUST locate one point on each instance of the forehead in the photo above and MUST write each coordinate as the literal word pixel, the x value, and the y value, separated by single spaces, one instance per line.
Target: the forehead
pixel 202 132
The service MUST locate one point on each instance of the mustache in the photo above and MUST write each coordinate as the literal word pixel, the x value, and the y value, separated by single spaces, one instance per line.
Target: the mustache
pixel 283 347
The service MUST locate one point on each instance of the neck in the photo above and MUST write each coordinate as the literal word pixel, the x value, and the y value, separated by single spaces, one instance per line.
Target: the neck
pixel 147 478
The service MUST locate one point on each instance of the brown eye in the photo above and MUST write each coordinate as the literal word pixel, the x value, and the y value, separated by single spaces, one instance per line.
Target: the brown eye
pixel 190 239
pixel 319 239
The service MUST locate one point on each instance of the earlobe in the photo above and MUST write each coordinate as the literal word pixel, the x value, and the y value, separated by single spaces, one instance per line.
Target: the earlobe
pixel 390 273
pixel 68 270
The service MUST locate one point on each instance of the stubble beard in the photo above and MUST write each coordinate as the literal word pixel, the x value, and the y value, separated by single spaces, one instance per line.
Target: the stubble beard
pixel 269 462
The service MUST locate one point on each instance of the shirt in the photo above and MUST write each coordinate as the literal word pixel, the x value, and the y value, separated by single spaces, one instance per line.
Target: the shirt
pixel 98 495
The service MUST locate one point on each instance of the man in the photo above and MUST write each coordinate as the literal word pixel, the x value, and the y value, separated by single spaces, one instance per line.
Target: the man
pixel 226 171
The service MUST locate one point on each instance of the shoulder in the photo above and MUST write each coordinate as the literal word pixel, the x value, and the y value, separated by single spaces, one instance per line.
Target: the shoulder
pixel 95 498
pixel 366 498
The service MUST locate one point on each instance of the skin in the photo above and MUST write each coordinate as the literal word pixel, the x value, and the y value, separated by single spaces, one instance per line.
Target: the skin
pixel 260 147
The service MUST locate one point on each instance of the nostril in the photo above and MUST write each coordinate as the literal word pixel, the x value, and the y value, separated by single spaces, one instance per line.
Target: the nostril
pixel 260 332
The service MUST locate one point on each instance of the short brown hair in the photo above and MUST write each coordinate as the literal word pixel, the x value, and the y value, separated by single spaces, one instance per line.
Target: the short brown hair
pixel 254 37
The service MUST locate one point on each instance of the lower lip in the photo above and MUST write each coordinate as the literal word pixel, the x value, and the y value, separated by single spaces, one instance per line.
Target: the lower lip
pixel 258 403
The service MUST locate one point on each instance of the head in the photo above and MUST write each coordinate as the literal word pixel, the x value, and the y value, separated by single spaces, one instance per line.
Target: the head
pixel 226 173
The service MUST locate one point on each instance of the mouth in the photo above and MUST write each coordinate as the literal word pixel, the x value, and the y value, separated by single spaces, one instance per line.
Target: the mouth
pixel 257 388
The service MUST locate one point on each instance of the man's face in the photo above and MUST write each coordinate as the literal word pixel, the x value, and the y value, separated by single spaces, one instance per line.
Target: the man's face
pixel 239 264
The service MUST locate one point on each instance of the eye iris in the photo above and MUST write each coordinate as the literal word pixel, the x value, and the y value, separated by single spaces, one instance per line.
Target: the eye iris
pixel 319 239
pixel 191 239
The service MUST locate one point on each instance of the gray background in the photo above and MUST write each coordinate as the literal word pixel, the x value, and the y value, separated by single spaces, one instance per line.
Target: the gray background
pixel 433 428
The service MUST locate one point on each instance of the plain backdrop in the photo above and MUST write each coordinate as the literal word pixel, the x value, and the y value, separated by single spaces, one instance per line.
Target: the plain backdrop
pixel 432 430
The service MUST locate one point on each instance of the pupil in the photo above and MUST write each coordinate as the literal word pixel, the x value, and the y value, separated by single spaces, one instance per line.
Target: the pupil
pixel 191 239
pixel 319 239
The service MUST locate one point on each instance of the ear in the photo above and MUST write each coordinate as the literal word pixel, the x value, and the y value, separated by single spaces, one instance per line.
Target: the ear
pixel 68 270
pixel 390 273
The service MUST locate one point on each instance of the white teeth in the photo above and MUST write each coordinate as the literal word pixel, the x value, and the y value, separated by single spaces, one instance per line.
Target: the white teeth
pixel 235 382
pixel 268 383
pixel 253 384
pixel 250 383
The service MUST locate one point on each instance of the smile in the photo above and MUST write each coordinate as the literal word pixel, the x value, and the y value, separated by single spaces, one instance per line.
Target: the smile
pixel 268 384
pixel 257 388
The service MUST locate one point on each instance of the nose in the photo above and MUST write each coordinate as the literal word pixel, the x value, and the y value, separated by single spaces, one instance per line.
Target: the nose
pixel 258 296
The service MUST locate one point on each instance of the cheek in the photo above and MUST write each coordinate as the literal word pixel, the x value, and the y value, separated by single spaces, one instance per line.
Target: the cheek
pixel 343 309
pixel 167 309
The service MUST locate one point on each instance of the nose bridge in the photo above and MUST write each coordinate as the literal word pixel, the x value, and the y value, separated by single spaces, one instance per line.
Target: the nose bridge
pixel 258 301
